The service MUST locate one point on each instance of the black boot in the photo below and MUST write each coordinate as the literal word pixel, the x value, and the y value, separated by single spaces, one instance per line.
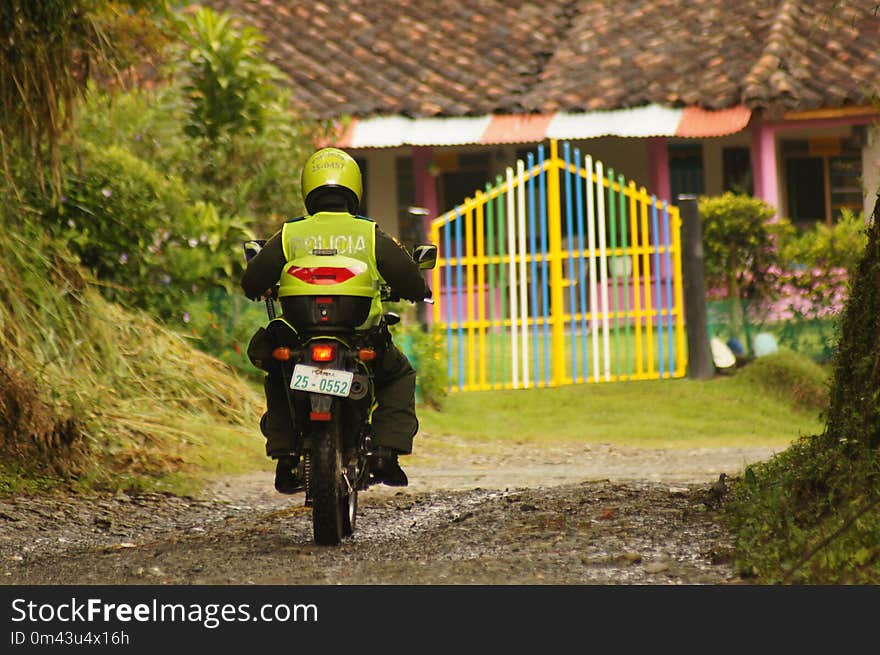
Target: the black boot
pixel 384 468
pixel 288 478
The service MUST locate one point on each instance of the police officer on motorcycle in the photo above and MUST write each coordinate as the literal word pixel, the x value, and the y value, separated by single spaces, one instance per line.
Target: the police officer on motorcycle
pixel 332 188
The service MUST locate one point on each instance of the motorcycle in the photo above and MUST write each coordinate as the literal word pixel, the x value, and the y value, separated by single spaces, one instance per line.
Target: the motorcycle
pixel 326 365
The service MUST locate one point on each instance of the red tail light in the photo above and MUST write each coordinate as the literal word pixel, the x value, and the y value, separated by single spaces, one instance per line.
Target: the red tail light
pixel 324 352
pixel 323 274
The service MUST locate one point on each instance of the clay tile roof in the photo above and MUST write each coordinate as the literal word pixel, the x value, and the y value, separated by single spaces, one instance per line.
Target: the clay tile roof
pixel 819 54
pixel 475 57
pixel 408 57
pixel 624 53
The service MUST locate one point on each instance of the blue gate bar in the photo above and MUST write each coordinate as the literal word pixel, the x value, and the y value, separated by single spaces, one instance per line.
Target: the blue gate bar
pixel 582 286
pixel 533 237
pixel 657 282
pixel 668 266
pixel 545 288
pixel 570 229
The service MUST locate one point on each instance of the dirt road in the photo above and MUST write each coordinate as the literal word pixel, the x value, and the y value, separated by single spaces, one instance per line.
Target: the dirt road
pixel 575 515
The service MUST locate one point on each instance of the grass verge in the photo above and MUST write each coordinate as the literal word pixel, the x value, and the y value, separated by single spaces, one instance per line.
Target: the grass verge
pixel 768 403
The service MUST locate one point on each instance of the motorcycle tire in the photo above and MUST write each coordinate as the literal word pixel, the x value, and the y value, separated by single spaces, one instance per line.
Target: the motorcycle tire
pixel 349 504
pixel 330 498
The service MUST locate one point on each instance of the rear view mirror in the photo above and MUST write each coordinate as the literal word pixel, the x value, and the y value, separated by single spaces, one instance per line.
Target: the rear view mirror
pixel 425 256
pixel 252 248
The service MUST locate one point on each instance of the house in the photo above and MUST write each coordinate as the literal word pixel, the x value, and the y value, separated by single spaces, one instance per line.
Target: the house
pixel 778 98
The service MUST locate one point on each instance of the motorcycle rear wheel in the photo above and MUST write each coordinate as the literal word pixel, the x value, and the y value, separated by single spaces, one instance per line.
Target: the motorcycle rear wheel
pixel 349 504
pixel 330 502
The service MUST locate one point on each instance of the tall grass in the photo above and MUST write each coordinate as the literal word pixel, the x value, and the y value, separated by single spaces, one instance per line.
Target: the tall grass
pixel 93 394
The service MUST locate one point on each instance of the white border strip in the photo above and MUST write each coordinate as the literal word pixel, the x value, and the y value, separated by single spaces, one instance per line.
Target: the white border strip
pixel 594 288
pixel 393 131
pixel 523 276
pixel 651 120
pixel 511 251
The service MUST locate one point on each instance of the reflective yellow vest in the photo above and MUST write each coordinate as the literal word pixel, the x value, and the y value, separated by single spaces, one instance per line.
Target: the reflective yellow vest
pixel 332 240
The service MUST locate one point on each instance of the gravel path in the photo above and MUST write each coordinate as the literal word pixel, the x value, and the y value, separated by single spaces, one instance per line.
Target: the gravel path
pixel 574 515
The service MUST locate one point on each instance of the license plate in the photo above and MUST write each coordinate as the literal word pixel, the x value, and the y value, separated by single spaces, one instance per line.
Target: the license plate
pixel 321 380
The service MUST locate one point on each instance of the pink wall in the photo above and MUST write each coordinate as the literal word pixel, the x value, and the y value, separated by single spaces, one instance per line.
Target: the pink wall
pixel 658 168
pixel 764 156
pixel 764 163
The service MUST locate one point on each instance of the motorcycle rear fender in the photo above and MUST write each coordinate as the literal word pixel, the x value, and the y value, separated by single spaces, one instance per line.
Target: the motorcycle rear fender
pixel 321 403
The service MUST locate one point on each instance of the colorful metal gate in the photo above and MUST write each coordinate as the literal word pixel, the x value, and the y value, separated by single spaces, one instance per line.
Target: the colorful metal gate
pixel 560 273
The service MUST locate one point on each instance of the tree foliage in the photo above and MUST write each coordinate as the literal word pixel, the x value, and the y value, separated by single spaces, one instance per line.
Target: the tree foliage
pixel 248 145
pixel 855 396
pixel 812 514
pixel 48 52
pixel 230 85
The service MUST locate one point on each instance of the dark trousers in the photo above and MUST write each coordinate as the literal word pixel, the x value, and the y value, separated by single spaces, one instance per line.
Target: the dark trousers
pixel 394 419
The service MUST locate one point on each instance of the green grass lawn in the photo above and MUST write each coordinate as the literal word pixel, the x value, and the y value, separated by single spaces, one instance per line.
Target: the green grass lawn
pixel 729 411
pixel 465 355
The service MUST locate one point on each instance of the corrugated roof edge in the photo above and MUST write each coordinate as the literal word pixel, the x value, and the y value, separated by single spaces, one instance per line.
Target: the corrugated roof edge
pixel 496 129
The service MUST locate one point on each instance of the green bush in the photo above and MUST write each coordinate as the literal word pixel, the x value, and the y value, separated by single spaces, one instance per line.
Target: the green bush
pixel 221 323
pixel 229 82
pixel 839 245
pixel 792 377
pixel 739 253
pixel 145 122
pixel 813 279
pixel 737 241
pixel 135 228
pixel 425 350
pixel 253 175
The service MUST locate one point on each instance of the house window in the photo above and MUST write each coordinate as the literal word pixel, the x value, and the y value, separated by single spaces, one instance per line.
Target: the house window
pixel 845 177
pixel 737 170
pixel 406 185
pixel 460 176
pixel 686 169
pixel 805 189
pixel 410 226
pixel 822 177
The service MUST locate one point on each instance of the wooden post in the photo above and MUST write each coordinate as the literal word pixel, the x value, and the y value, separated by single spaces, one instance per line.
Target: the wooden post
pixel 700 363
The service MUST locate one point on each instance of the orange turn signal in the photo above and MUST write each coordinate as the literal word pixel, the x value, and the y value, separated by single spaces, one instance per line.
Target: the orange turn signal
pixel 282 354
pixel 366 354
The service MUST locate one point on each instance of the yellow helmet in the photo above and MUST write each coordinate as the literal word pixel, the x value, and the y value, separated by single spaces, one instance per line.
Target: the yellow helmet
pixel 331 169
